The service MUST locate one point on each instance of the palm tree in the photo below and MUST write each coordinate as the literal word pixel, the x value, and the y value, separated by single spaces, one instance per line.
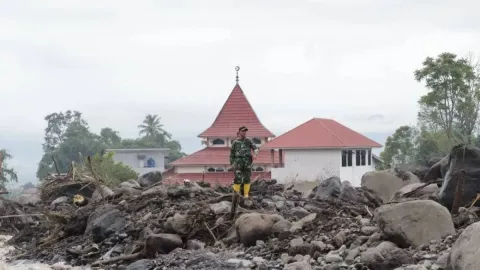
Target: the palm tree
pixel 152 129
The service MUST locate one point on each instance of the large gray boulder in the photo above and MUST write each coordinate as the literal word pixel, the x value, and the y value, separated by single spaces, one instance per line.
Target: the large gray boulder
pixel 101 192
pixel 255 226
pixel 385 256
pixel 333 189
pixel 328 189
pixel 437 170
pixel 179 223
pixel 385 183
pixel 150 178
pixel 161 243
pixel 464 158
pixel 130 183
pixel 104 221
pixel 465 253
pixel 414 223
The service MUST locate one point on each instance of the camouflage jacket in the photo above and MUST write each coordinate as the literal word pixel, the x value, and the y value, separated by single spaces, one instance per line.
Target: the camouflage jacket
pixel 242 149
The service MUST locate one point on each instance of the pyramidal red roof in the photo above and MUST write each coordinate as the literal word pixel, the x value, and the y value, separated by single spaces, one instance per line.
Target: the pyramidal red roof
pixel 320 133
pixel 236 112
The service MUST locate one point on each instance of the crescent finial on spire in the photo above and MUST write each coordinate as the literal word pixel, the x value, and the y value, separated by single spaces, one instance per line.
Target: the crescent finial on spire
pixel 237 68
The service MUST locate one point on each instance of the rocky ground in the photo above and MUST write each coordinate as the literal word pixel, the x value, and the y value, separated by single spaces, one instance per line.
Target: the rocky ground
pixel 188 226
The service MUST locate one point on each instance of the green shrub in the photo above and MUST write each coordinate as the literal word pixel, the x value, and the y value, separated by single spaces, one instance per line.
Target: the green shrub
pixel 111 172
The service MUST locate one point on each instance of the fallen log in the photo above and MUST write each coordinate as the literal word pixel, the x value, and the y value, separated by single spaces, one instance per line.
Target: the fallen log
pixel 129 257
pixel 21 215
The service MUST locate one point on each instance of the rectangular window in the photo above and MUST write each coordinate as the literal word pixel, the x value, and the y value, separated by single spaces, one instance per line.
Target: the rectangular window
pixel 360 157
pixel 346 158
pixel 369 157
pixel 350 158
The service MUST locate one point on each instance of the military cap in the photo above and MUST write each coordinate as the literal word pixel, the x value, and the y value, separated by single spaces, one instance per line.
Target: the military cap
pixel 243 128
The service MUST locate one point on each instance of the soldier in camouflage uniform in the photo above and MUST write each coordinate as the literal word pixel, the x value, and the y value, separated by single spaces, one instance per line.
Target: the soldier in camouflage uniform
pixel 241 159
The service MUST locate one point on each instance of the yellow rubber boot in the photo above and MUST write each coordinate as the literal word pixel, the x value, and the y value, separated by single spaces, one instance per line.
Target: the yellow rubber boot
pixel 246 190
pixel 236 188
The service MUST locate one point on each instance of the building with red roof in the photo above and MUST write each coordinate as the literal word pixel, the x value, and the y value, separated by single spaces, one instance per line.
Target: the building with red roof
pixel 321 148
pixel 211 164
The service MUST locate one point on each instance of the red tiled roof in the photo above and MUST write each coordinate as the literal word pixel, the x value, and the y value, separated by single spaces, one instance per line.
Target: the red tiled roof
pixel 214 178
pixel 320 133
pixel 236 112
pixel 221 156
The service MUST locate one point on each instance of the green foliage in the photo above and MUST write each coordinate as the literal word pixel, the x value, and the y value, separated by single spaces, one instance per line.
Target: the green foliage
pixel 154 136
pixel 111 172
pixel 7 174
pixel 452 102
pixel 448 112
pixel 67 136
pixel 412 145
pixel 71 137
pixel 57 123
pixel 400 147
pixel 153 130
pixel 110 137
pixel 430 144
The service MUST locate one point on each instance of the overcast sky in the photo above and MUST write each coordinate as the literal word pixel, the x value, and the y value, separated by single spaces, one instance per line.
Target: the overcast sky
pixel 116 61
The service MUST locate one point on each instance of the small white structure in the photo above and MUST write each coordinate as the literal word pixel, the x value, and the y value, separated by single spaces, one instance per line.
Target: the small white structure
pixel 142 160
pixel 322 148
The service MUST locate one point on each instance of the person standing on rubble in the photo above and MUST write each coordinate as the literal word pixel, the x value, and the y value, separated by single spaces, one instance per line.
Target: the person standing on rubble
pixel 241 160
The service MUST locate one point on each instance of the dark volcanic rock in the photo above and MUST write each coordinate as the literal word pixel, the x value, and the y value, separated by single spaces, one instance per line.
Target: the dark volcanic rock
pixel 150 178
pixel 104 221
pixel 464 158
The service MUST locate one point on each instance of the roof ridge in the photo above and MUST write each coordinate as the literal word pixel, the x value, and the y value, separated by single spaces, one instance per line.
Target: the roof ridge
pixel 294 129
pixel 236 110
pixel 253 110
pixel 333 133
pixel 225 103
pixel 317 133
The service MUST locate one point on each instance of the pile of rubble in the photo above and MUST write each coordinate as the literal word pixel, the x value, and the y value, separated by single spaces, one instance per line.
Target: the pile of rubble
pixel 394 221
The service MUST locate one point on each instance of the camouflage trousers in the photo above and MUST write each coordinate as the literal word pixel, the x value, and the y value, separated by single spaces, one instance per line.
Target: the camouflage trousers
pixel 242 168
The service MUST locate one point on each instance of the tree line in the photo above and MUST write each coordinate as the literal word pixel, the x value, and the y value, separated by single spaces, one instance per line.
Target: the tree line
pixel 67 135
pixel 448 112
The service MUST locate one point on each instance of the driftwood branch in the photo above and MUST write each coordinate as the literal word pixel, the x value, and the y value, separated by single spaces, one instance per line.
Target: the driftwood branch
pixel 408 194
pixel 22 215
pixel 368 211
pixel 213 235
pixel 129 257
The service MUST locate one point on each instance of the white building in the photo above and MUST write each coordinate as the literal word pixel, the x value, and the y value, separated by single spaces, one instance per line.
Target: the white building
pixel 322 148
pixel 142 160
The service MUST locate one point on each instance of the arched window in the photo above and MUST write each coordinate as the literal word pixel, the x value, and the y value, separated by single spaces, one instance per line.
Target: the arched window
pixel 257 141
pixel 218 142
pixel 219 169
pixel 151 163
pixel 259 169
pixel 211 169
